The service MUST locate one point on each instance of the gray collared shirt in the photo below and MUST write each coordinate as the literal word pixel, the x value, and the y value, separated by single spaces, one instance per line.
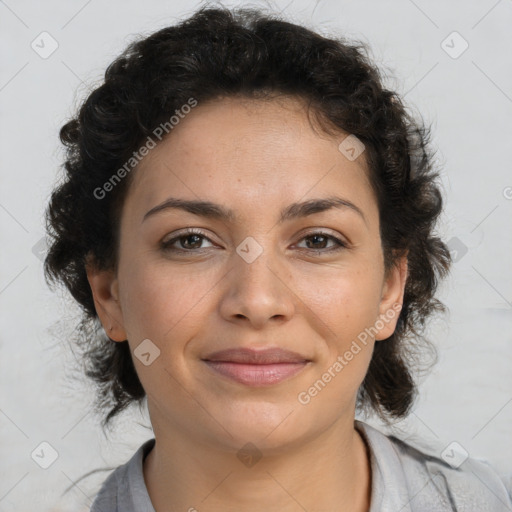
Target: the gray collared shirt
pixel 404 479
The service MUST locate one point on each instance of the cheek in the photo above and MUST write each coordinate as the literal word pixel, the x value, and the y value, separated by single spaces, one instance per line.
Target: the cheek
pixel 155 301
pixel 345 312
pixel 347 301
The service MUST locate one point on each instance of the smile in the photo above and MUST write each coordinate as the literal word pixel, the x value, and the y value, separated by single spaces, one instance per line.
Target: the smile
pixel 256 374
pixel 256 367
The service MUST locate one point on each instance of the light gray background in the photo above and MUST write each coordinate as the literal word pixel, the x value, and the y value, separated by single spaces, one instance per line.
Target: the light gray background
pixel 468 396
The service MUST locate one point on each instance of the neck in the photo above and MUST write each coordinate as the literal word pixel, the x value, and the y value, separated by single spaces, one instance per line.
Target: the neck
pixel 330 472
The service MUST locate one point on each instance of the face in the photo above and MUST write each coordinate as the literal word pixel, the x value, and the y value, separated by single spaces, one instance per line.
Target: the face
pixel 297 300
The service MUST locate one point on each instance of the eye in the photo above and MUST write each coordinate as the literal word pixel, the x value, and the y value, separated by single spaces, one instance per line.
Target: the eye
pixel 317 242
pixel 190 240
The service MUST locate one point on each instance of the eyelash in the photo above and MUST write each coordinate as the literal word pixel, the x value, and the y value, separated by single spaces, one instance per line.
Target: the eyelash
pixel 167 245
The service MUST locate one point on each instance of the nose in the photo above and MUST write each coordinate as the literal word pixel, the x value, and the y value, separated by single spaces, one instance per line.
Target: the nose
pixel 258 292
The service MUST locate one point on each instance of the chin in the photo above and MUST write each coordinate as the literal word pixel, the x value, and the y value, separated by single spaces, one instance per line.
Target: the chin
pixel 267 425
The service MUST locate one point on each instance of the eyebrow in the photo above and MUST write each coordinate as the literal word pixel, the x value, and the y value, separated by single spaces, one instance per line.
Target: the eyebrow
pixel 212 210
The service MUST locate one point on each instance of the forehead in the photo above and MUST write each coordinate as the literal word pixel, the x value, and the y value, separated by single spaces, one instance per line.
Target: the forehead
pixel 252 152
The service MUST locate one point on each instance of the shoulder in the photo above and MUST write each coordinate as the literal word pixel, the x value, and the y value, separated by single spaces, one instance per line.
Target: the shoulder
pixel 431 477
pixel 106 499
pixel 124 489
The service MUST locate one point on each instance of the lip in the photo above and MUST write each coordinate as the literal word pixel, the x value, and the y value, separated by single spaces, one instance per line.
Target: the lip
pixel 256 367
pixel 251 356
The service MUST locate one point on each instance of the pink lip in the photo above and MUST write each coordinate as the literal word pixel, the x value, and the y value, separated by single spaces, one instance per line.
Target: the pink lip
pixel 256 367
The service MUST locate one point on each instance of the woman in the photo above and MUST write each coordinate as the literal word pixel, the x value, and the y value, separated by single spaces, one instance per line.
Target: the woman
pixel 249 215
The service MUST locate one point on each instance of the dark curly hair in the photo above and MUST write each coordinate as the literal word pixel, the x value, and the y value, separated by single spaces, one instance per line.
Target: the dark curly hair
pixel 215 53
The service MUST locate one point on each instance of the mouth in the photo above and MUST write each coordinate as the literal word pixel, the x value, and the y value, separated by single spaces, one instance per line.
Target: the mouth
pixel 256 367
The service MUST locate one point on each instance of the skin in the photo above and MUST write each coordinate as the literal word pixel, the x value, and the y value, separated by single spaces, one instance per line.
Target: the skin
pixel 255 157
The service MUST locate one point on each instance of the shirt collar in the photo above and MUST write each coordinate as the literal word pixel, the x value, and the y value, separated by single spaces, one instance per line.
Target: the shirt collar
pixel 389 489
pixel 139 496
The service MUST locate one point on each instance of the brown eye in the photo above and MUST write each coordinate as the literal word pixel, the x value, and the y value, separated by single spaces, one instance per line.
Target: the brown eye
pixel 318 242
pixel 188 242
pixel 196 241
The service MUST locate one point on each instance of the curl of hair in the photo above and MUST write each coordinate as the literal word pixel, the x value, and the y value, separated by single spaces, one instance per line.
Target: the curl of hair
pixel 217 53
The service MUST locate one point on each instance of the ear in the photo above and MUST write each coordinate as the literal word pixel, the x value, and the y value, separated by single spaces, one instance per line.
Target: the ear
pixel 105 290
pixel 392 298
